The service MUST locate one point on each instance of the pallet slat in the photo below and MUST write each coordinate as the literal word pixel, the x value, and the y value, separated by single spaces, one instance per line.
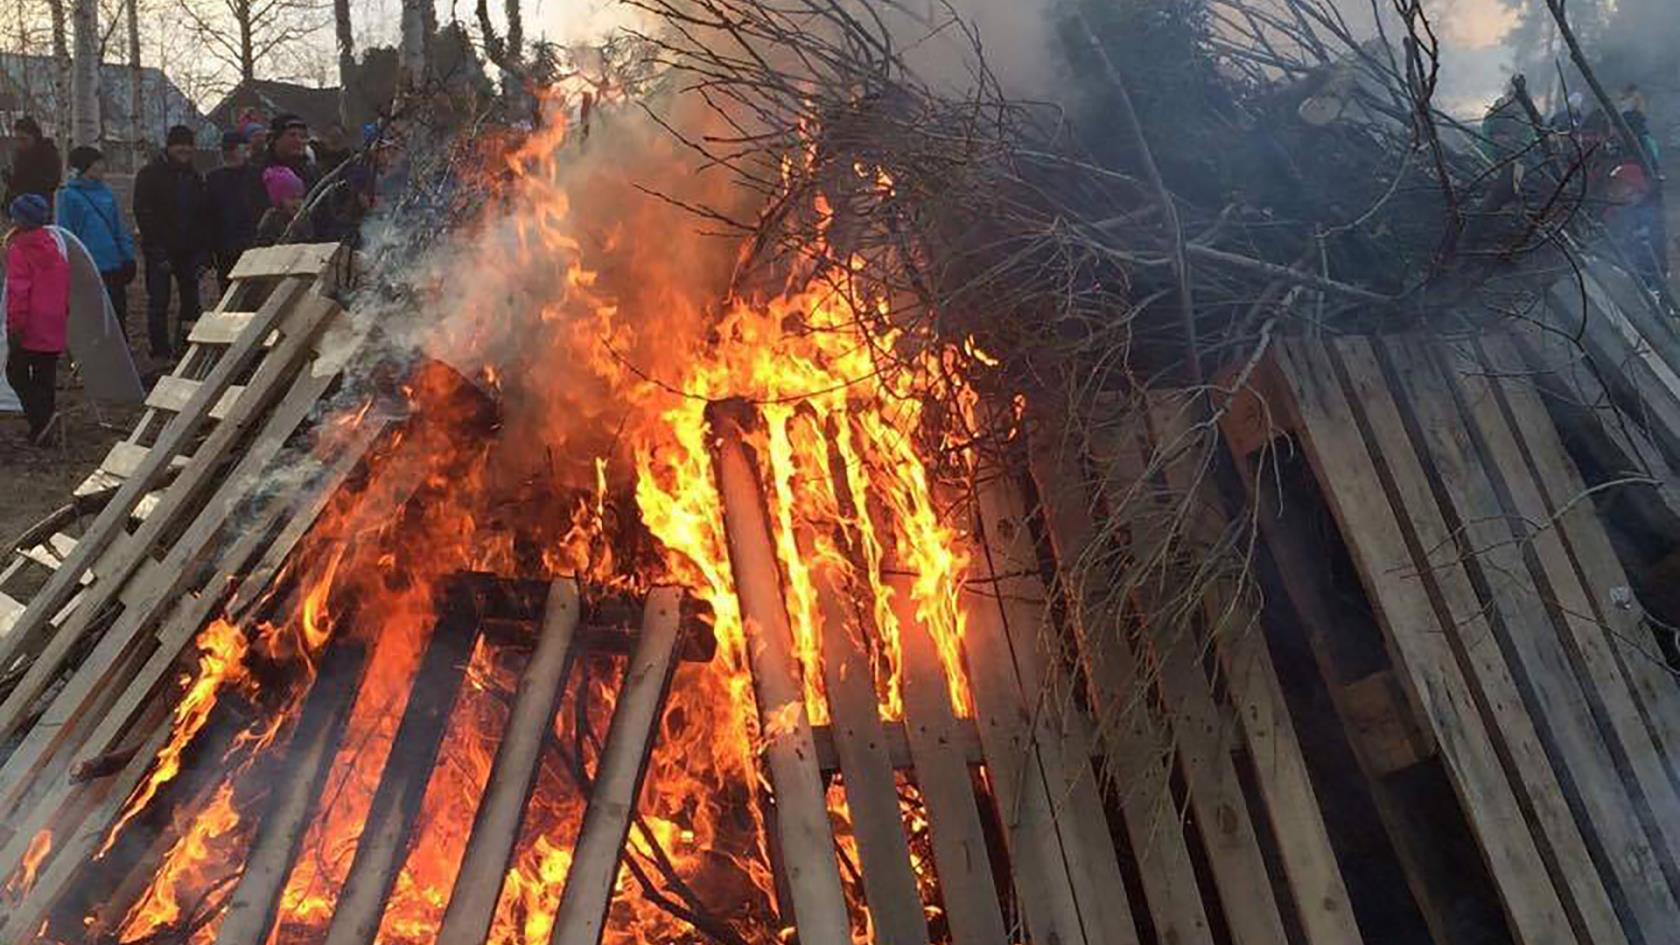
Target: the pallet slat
pixel 618 779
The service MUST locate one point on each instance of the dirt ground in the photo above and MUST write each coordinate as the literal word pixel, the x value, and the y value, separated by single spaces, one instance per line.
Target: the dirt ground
pixel 34 481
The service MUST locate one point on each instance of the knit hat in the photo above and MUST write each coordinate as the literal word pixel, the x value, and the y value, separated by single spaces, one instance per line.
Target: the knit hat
pixel 233 139
pixel 254 128
pixel 179 134
pixel 30 211
pixel 83 157
pixel 282 184
pixel 286 121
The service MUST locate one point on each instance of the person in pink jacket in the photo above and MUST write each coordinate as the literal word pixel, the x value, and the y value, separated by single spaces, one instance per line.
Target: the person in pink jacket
pixel 37 312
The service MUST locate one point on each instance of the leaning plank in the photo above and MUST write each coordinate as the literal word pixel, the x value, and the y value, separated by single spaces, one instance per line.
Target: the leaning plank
pixel 1135 747
pixel 1379 547
pixel 1321 896
pixel 219 328
pixel 1511 579
pixel 960 856
pixel 1561 492
pixel 252 908
pixel 125 459
pixel 618 778
pixel 889 886
pixel 472 903
pixel 402 785
pixel 32 624
pixel 807 846
pixel 301 399
pixel 301 259
pixel 1061 735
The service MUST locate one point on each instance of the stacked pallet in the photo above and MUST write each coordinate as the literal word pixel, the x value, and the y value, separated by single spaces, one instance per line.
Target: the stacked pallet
pixel 183 529
pixel 1082 863
pixel 1497 609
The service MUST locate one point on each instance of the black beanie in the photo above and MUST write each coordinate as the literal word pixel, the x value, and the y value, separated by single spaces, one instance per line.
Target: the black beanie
pixel 82 157
pixel 180 134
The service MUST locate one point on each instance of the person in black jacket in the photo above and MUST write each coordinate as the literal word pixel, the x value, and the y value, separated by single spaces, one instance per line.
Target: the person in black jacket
pixel 36 167
pixel 237 201
pixel 172 211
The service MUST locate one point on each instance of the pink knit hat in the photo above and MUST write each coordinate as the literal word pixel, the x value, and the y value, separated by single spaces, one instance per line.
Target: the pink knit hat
pixel 282 184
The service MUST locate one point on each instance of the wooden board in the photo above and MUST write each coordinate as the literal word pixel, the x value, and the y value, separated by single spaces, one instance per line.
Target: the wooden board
pixel 618 778
pixel 1258 710
pixel 890 891
pixel 501 809
pixel 171 394
pixel 1356 493
pixel 1513 586
pixel 290 260
pixel 960 856
pixel 1137 746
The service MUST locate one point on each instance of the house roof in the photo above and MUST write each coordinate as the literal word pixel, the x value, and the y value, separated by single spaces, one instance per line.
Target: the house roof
pixel 27 85
pixel 268 98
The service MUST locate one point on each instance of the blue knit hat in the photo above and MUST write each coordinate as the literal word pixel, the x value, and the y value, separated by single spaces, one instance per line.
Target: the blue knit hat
pixel 30 211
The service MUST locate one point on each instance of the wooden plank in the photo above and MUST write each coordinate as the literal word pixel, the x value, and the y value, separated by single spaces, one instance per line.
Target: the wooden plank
pixel 255 901
pixel 125 458
pixel 960 856
pixel 173 393
pixel 219 328
pixel 809 863
pixel 1261 717
pixel 145 601
pixel 889 885
pixel 265 385
pixel 896 742
pixel 618 778
pixel 391 814
pixel 10 607
pixel 297 259
pixel 1381 551
pixel 1621 632
pixel 1382 725
pixel 1509 576
pixel 484 864
pixel 1136 747
pixel 1062 734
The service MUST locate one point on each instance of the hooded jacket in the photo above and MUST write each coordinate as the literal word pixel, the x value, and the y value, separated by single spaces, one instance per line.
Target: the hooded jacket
pixel 37 291
pixel 88 209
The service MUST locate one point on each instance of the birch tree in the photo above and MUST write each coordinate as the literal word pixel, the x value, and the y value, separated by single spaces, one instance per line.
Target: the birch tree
pixel 414 51
pixel 61 75
pixel 136 77
pixel 346 60
pixel 84 83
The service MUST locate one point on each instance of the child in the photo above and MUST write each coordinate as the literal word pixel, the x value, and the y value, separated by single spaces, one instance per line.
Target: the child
pixel 37 312
pixel 285 192
pixel 87 208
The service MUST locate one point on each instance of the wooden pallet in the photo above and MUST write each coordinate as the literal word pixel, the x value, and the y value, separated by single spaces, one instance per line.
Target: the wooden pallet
pixel 1493 584
pixel 1038 753
pixel 129 593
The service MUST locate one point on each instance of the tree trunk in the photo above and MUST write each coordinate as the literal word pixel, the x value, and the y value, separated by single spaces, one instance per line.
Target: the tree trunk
pixel 61 76
pixel 412 53
pixel 242 16
pixel 515 31
pixel 84 94
pixel 136 88
pixel 346 64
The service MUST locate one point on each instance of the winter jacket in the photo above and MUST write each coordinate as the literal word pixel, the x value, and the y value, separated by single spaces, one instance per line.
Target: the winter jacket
pixel 171 209
pixel 271 230
pixel 37 291
pixel 88 209
pixel 35 171
pixel 237 202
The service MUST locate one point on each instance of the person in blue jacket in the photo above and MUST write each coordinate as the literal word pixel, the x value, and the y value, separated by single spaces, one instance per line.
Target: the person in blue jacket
pixel 87 207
